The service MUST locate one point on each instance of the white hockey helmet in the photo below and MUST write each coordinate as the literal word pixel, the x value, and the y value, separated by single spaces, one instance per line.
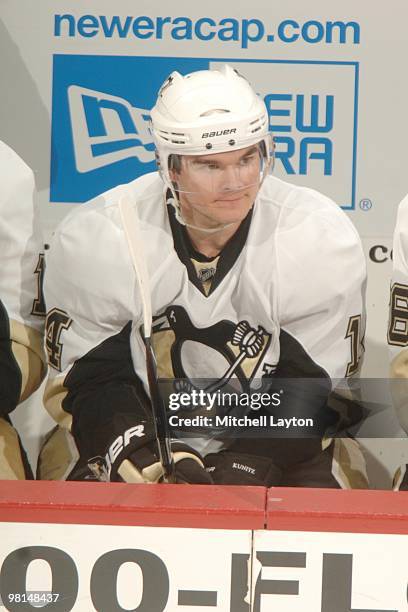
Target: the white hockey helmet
pixel 205 112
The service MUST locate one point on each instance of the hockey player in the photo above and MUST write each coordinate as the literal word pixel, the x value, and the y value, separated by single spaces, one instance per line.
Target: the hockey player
pixel 398 329
pixel 22 310
pixel 251 279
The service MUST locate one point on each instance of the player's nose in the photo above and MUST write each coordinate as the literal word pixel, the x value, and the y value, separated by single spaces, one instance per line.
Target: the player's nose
pixel 232 179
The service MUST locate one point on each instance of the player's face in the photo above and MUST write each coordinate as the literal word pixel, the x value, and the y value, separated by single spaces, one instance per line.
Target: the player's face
pixel 218 188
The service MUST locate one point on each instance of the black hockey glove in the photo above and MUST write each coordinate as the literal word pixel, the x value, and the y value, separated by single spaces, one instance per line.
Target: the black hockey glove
pixel 133 457
pixel 233 468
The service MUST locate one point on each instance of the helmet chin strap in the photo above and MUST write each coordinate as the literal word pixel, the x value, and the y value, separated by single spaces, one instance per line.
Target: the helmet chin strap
pixel 176 205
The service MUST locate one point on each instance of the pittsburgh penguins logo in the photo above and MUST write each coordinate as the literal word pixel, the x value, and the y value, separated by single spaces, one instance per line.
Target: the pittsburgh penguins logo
pixel 221 352
pixel 205 274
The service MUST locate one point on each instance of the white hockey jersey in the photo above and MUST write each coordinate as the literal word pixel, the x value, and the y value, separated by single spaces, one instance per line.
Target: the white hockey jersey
pixel 293 276
pixel 398 316
pixel 22 309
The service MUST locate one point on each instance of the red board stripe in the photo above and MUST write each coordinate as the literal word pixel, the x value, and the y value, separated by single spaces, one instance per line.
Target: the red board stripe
pixel 207 507
pixel 292 509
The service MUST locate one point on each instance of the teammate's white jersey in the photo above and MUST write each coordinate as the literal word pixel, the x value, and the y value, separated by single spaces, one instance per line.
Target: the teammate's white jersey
pixel 398 315
pixel 22 307
pixel 284 297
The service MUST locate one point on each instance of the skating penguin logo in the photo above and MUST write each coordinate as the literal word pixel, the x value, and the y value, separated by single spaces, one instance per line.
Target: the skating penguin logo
pixel 225 352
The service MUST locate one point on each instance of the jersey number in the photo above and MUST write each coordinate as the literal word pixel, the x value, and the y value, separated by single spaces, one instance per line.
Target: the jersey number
pixel 38 308
pixel 57 320
pixel 357 346
pixel 398 325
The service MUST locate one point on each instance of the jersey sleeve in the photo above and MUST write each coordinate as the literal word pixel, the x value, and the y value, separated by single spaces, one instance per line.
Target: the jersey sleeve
pixel 322 267
pixel 398 316
pixel 22 309
pixel 92 304
pixel 322 278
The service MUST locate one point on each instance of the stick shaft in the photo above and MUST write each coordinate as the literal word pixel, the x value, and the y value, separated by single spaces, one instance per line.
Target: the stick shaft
pixel 131 228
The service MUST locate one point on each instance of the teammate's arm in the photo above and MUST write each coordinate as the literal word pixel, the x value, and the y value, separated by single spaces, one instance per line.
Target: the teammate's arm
pixel 398 317
pixel 22 360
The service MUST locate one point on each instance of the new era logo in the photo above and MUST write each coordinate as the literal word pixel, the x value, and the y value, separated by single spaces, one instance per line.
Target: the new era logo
pixel 107 129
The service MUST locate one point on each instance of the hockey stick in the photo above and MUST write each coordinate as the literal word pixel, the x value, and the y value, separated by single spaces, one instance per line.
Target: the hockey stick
pixel 131 226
